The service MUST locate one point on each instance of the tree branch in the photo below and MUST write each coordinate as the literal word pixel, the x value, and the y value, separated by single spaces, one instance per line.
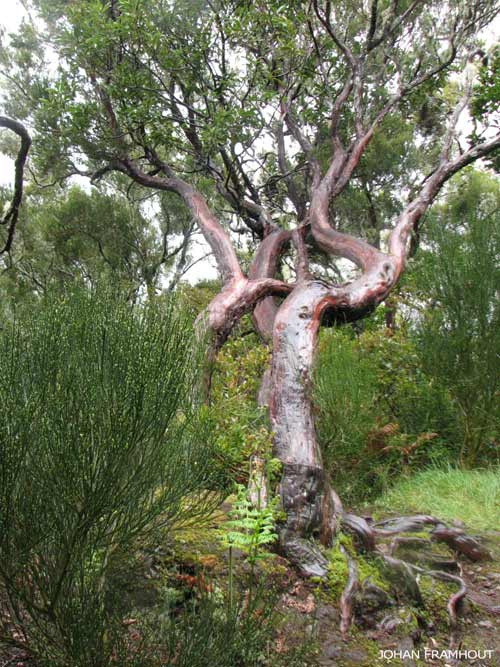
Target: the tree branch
pixel 11 217
pixel 408 220
pixel 210 227
pixel 265 265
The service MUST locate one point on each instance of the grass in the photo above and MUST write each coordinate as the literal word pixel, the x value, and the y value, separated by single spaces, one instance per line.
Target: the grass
pixel 471 496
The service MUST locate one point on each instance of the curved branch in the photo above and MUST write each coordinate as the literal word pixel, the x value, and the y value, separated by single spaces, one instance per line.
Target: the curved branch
pixel 408 220
pixel 364 255
pixel 12 215
pixel 238 297
pixel 265 265
pixel 210 227
pixel 326 23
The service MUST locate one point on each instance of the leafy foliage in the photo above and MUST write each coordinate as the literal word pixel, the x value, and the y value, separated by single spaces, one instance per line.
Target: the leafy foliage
pixel 249 528
pixel 487 91
pixel 241 427
pixel 378 413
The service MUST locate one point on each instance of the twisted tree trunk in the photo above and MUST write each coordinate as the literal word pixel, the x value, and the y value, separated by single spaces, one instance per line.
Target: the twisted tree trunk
pixel 306 496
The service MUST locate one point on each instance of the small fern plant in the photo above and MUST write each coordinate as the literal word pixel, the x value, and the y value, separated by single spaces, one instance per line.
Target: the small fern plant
pixel 249 529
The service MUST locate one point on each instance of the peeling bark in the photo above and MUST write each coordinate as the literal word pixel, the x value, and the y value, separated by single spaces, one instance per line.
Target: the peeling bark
pixel 305 490
pixel 311 507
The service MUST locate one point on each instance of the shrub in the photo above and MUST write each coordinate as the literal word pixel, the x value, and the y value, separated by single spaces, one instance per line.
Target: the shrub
pixel 459 335
pixel 212 632
pixel 240 426
pixel 97 449
pixel 378 413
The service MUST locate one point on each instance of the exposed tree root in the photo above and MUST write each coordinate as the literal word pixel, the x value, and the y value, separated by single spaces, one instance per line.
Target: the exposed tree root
pixel 350 589
pixel 400 572
pixel 361 528
pixel 464 544
pixel 405 524
pixel 456 598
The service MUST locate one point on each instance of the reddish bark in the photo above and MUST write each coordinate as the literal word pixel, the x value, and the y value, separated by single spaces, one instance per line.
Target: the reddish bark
pixel 265 265
pixel 311 507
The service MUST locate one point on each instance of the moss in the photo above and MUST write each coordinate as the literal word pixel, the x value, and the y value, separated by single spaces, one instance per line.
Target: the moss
pixel 421 535
pixel 272 567
pixel 371 648
pixel 337 573
pixel 347 543
pixel 199 545
pixel 368 568
pixel 336 578
pixel 436 595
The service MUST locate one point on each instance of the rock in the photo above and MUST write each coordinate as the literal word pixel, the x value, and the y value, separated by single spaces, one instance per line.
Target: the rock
pixel 388 624
pixel 407 647
pixel 327 613
pixel 372 598
pixel 420 552
pixel 304 555
pixel 403 579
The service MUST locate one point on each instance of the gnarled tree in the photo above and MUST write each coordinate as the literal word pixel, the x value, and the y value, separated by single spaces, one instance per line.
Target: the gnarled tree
pixel 260 115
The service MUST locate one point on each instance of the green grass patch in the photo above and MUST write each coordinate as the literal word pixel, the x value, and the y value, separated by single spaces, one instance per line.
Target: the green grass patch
pixel 471 496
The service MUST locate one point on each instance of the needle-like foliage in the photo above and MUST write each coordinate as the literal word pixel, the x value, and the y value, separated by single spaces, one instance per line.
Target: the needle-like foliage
pixel 97 448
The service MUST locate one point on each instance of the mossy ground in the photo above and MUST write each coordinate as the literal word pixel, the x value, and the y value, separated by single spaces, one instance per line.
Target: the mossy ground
pixel 161 578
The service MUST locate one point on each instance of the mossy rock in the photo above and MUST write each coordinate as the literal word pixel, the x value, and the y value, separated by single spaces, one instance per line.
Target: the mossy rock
pixel 435 595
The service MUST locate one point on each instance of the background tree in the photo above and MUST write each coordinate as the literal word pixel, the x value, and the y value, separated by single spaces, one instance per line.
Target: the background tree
pixel 95 237
pixel 459 329
pixel 260 115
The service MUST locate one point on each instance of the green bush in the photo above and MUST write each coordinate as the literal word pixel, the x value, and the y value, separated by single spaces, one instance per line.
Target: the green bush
pixel 345 387
pixel 459 334
pixel 241 428
pixel 212 632
pixel 97 449
pixel 378 413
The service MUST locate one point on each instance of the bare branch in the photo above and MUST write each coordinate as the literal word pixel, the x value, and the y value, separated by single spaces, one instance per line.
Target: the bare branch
pixel 391 24
pixel 302 140
pixel 326 23
pixel 11 217
pixel 287 175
